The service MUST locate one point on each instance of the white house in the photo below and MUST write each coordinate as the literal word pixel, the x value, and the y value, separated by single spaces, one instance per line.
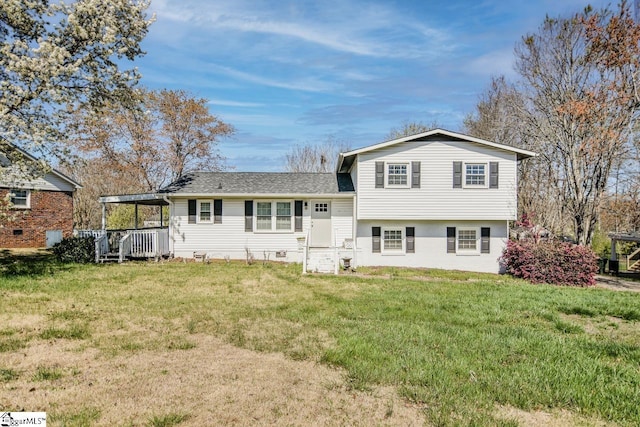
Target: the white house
pixel 437 199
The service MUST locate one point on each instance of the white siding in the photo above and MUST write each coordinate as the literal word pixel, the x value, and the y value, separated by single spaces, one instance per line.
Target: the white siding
pixel 230 239
pixel 49 182
pixel 436 199
pixel 342 220
pixel 431 246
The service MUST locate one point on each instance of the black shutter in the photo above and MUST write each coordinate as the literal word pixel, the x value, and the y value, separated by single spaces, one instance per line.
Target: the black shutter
pixel 375 239
pixel 217 211
pixel 415 174
pixel 485 233
pixel 411 239
pixel 379 174
pixel 451 240
pixel 248 215
pixel 193 211
pixel 457 174
pixel 493 174
pixel 298 214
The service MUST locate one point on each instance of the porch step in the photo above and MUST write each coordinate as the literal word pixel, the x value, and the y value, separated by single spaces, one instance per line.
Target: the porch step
pixel 320 260
pixel 110 257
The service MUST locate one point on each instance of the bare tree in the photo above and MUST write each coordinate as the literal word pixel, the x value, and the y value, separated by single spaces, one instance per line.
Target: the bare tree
pixel 169 134
pixel 411 128
pixel 320 157
pixel 580 107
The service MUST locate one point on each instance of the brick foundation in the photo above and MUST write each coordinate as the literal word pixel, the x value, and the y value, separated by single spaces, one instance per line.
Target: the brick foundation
pixel 50 210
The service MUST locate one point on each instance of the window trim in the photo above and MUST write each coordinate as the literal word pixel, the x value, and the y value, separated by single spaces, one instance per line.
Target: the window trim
pixel 464 175
pixel 400 251
pixel 27 204
pixel 274 216
pixel 461 251
pixel 408 175
pixel 199 219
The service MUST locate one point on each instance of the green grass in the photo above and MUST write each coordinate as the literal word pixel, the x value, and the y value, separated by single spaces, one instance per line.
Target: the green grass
pixel 456 343
pixel 168 420
pixel 45 373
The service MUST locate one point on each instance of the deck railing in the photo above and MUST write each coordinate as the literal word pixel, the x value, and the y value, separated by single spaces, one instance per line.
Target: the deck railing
pixel 145 243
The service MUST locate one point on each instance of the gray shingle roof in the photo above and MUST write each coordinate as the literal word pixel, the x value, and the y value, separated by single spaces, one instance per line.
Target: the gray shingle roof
pixel 260 183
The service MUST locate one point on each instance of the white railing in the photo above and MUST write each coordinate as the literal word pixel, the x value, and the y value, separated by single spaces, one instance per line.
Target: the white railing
pixel 102 245
pixel 124 247
pixel 90 233
pixel 148 243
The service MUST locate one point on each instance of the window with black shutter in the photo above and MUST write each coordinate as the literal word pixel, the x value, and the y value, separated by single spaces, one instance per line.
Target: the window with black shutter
pixel 485 237
pixel 375 239
pixel 248 215
pixel 451 240
pixel 410 233
pixel 217 211
pixel 193 211
pixel 298 215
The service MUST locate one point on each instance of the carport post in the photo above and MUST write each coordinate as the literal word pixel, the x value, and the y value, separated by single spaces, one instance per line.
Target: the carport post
pixel 614 255
pixel 104 216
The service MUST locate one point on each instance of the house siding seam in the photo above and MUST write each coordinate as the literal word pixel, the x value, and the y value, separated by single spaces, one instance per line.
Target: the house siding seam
pixel 49 210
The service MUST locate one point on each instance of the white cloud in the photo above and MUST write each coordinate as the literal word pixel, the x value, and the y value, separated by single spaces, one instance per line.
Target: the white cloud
pixel 227 103
pixel 366 29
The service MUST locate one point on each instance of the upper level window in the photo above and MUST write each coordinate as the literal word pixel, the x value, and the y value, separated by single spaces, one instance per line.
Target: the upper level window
pixel 397 174
pixel 20 198
pixel 273 216
pixel 475 174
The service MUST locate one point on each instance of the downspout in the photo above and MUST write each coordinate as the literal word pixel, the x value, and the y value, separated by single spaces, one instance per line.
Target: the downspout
pixel 170 203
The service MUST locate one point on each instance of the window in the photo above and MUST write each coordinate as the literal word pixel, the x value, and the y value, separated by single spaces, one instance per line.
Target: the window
pixel 397 174
pixel 321 207
pixel 283 216
pixel 475 175
pixel 392 240
pixel 468 240
pixel 20 198
pixel 274 216
pixel 263 216
pixel 204 210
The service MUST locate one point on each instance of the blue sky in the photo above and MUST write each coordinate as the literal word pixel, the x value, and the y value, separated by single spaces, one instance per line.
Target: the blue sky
pixel 287 72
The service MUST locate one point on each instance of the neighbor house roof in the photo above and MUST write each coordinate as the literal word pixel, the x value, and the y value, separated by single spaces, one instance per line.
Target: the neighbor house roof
pixel 345 160
pixel 260 184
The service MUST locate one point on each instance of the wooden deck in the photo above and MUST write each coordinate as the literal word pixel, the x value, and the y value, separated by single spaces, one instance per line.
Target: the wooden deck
pixel 121 245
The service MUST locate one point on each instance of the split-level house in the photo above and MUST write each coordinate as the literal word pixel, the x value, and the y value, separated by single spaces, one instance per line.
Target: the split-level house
pixel 438 199
pixel 41 206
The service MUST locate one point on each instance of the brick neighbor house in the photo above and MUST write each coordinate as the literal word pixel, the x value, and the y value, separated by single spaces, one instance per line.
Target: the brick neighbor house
pixel 42 208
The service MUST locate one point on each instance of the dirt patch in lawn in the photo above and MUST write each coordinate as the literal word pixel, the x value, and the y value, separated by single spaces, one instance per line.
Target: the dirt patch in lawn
pixel 557 418
pixel 211 384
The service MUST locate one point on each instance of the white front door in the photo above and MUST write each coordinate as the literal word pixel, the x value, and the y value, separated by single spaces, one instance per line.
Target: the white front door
pixel 321 224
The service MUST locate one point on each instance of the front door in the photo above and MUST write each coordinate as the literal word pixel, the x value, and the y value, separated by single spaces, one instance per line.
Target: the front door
pixel 321 224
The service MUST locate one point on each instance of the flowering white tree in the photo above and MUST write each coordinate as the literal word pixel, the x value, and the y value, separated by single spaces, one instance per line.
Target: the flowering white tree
pixel 57 56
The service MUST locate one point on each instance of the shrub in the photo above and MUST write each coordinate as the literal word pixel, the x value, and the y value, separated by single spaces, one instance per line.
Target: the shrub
pixel 75 249
pixel 548 261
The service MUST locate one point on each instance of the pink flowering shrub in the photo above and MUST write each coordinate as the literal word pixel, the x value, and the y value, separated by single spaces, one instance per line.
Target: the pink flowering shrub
pixel 549 261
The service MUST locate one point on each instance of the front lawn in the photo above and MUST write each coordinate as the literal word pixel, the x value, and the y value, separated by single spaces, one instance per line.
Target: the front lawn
pixel 460 347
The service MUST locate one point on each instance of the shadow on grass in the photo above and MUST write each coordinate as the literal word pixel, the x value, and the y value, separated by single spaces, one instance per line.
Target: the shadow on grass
pixel 28 263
